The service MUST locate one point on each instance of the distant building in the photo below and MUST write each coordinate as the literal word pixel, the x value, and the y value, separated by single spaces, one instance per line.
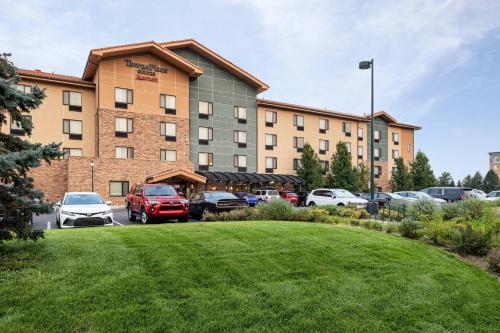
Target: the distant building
pixel 495 162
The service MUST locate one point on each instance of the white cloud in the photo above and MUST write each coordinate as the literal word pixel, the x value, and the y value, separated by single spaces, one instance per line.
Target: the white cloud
pixel 317 45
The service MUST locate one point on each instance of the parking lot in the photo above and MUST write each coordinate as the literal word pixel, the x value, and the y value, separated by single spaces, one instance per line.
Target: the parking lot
pixel 48 221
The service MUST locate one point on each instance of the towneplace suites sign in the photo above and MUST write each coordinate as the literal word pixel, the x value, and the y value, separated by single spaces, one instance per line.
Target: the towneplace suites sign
pixel 146 72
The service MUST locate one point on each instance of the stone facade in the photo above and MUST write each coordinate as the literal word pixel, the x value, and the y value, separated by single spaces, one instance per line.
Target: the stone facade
pixel 495 162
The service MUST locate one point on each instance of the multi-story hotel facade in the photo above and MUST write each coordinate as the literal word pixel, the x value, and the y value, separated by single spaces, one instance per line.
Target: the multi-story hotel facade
pixel 179 113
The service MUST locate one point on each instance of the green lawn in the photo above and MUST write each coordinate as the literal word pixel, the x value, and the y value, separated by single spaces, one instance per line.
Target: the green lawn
pixel 242 276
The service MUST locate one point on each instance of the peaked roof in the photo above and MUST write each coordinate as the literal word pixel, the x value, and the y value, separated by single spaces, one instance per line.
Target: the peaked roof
pixel 37 74
pixel 219 60
pixel 392 121
pixel 96 55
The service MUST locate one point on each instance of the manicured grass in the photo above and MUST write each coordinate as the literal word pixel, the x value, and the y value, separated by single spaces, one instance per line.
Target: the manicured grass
pixel 242 276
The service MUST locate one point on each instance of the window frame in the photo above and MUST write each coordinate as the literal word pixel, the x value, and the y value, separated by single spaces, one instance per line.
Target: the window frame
pixel 129 98
pixel 129 152
pixel 72 107
pixel 204 141
pixel 123 193
pixel 327 125
pixel 326 146
pixel 346 124
pixel 210 110
pixel 236 138
pixel 73 136
pixel 210 161
pixel 163 104
pixel 130 127
pixel 274 164
pixel 296 143
pixel 237 164
pixel 171 138
pixel 274 118
pixel 274 141
pixel 237 114
pixel 163 152
pixel 67 152
pixel 296 117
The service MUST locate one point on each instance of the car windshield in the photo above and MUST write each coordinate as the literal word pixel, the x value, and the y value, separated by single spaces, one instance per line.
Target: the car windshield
pixel 423 195
pixel 160 190
pixel 83 199
pixel 219 195
pixel 492 195
pixel 394 196
pixel 343 194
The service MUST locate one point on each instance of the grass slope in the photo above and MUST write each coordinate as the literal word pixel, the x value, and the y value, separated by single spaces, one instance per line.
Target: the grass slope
pixel 245 276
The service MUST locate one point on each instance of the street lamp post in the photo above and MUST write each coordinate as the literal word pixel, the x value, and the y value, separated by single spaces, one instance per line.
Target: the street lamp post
pixel 92 173
pixel 369 65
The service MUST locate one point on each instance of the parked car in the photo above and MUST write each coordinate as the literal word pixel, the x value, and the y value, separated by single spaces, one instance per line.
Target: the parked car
pixel 385 198
pixel 478 194
pixel 83 209
pixel 291 197
pixel 450 194
pixel 249 197
pixel 493 195
pixel 156 201
pixel 417 195
pixel 337 197
pixel 203 203
pixel 302 198
pixel 266 195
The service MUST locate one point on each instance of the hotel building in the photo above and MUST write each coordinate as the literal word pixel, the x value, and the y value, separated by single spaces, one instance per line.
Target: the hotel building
pixel 179 113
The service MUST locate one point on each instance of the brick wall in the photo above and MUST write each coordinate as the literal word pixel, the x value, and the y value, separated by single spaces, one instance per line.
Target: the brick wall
pixel 52 179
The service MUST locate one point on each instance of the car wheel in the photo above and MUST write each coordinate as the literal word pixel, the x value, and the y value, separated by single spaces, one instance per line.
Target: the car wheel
pixel 340 205
pixel 205 213
pixel 311 204
pixel 144 217
pixel 184 218
pixel 130 213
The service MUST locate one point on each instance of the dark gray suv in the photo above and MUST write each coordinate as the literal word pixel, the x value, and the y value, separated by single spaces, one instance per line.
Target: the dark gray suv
pixel 450 194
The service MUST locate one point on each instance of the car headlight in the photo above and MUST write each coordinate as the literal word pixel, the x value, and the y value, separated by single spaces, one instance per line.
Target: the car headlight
pixel 109 211
pixel 65 212
pixel 153 202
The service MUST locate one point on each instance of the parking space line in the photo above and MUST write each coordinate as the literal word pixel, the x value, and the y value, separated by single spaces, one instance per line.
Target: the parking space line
pixel 118 223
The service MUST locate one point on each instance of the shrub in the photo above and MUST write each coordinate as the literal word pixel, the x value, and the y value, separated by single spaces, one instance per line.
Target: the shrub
pixel 317 215
pixel 494 260
pixel 236 215
pixel 363 213
pixel 474 209
pixel 331 209
pixel 400 207
pixel 366 224
pixel 410 228
pixel 276 210
pixel 376 225
pixel 390 214
pixel 450 211
pixel 348 212
pixel 423 210
pixel 390 227
pixel 334 219
pixel 354 222
pixel 211 217
pixel 472 238
pixel 439 232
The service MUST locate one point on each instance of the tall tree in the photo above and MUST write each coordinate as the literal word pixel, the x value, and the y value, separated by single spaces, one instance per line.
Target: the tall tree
pixel 467 181
pixel 491 182
pixel 310 168
pixel 401 179
pixel 362 178
pixel 18 199
pixel 445 179
pixel 342 173
pixel 459 183
pixel 476 180
pixel 421 172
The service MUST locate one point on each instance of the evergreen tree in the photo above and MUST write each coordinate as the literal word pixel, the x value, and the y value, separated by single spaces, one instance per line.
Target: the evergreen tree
pixel 310 168
pixel 421 172
pixel 342 173
pixel 401 179
pixel 459 183
pixel 452 183
pixel 467 182
pixel 445 179
pixel 362 178
pixel 476 180
pixel 490 182
pixel 18 199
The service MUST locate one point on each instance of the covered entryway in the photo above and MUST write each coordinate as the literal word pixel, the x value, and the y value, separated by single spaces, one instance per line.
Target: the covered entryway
pixel 248 182
pixel 185 182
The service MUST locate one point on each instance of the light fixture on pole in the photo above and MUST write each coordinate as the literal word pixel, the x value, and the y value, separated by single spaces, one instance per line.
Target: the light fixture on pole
pixel 369 65
pixel 92 173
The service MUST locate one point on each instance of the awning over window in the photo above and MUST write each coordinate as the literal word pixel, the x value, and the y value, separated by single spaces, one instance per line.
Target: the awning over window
pixel 251 178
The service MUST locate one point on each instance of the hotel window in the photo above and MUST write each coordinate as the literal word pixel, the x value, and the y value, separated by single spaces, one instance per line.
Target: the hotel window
pixel 168 155
pixel 395 154
pixel 298 121
pixel 72 152
pixel 23 88
pixel 240 137
pixel 240 162
pixel 118 188
pixel 205 109
pixel 205 134
pixel 123 97
pixel 298 142
pixel 240 113
pixel 205 160
pixel 271 164
pixel 323 146
pixel 377 171
pixel 73 99
pixel 395 138
pixel 346 128
pixel 323 125
pixel 376 135
pixel 325 165
pixel 123 126
pixel 297 163
pixel 168 130
pixel 360 134
pixel 73 128
pixel 124 152
pixel 271 118
pixel 376 153
pixel 16 128
pixel 348 145
pixel 271 141
pixel 167 102
pixel 360 152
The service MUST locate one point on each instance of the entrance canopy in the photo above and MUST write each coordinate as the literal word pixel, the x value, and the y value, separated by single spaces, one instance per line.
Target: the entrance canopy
pixel 176 175
pixel 249 178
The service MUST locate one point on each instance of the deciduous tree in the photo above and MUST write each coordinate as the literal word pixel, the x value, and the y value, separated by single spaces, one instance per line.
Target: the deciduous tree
pixel 445 179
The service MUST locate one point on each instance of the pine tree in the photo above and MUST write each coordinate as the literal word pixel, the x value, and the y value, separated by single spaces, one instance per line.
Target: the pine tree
pixel 401 179
pixel 459 183
pixel 18 199
pixel 310 168
pixel 490 182
pixel 476 180
pixel 342 173
pixel 467 181
pixel 421 172
pixel 446 179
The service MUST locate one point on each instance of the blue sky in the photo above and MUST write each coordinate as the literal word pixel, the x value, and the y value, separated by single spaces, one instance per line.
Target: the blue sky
pixel 437 62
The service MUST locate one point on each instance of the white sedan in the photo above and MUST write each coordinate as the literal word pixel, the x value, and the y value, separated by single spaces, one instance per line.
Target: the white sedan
pixel 493 196
pixel 417 195
pixel 83 209
pixel 332 196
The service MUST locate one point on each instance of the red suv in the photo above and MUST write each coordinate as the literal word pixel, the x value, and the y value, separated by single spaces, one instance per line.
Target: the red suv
pixel 290 197
pixel 152 201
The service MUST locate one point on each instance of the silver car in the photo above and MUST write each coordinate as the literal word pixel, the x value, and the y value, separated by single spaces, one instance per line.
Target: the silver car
pixel 83 209
pixel 417 195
